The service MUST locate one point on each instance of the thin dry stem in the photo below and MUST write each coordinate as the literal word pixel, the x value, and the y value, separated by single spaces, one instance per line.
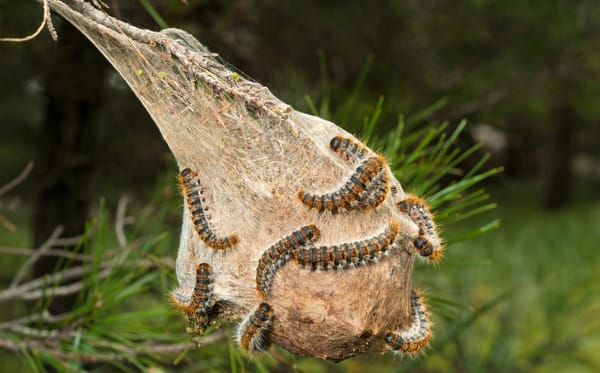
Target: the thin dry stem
pixel 51 252
pixel 52 346
pixel 46 286
pixel 17 180
pixel 46 21
pixel 120 222
pixel 35 256
pixel 7 223
pixel 43 317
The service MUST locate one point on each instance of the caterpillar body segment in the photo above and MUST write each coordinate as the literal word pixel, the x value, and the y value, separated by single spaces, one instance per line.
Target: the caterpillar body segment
pixel 348 148
pixel 376 192
pixel 194 195
pixel 254 331
pixel 428 244
pixel 351 193
pixel 279 253
pixel 417 336
pixel 348 255
pixel 200 301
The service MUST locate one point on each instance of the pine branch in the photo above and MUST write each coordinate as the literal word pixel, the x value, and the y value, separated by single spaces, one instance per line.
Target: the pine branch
pixel 253 154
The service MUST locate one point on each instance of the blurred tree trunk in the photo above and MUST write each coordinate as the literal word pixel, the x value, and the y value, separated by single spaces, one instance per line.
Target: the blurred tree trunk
pixel 73 85
pixel 559 182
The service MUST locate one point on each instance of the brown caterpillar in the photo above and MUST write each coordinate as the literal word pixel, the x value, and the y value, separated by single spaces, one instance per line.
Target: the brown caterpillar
pixel 199 302
pixel 349 194
pixel 376 192
pixel 417 336
pixel 279 254
pixel 350 254
pixel 253 333
pixel 348 148
pixel 192 191
pixel 428 244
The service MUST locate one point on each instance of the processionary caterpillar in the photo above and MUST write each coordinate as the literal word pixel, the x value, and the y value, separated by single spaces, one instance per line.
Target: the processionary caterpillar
pixel 199 302
pixel 347 255
pixel 348 148
pixel 193 193
pixel 350 194
pixel 279 254
pixel 417 336
pixel 428 244
pixel 253 333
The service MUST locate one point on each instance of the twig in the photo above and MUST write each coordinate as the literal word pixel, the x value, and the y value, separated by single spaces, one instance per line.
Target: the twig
pixel 120 222
pixel 52 346
pixel 33 258
pixel 59 291
pixel 69 241
pixel 74 272
pixel 33 332
pixel 7 223
pixel 17 180
pixel 43 317
pixel 25 290
pixel 45 21
pixel 210 339
pixel 51 252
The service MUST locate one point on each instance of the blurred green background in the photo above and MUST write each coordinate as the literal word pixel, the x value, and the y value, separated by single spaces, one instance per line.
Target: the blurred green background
pixel 525 74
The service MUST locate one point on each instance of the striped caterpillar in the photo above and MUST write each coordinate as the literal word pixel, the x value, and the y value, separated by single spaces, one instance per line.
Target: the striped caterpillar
pixel 352 150
pixel 193 193
pixel 279 254
pixel 417 336
pixel 199 302
pixel 349 254
pixel 253 333
pixel 348 148
pixel 350 195
pixel 376 192
pixel 428 243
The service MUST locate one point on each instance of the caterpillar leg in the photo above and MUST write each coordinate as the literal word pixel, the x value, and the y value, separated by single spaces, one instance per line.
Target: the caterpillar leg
pixel 428 244
pixel 279 254
pixel 417 336
pixel 349 254
pixel 199 302
pixel 254 331
pixel 194 194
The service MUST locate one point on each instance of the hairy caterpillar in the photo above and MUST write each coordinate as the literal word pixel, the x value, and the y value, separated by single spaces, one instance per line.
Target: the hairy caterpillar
pixel 350 254
pixel 199 302
pixel 253 332
pixel 350 193
pixel 376 192
pixel 192 191
pixel 428 244
pixel 351 150
pixel 348 148
pixel 279 254
pixel 417 336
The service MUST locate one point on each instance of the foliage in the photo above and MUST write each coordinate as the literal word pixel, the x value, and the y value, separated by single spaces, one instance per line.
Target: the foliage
pixel 121 310
pixel 517 299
